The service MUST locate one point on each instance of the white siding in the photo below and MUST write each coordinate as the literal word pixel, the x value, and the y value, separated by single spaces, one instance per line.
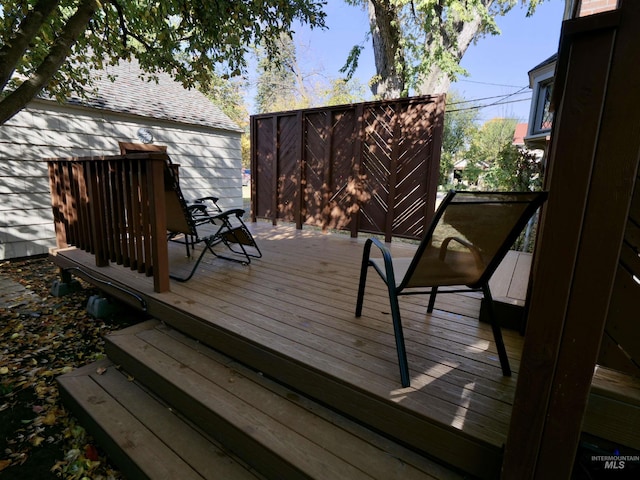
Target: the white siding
pixel 210 162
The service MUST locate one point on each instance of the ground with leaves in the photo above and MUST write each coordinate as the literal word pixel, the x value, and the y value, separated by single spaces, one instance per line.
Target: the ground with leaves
pixel 41 337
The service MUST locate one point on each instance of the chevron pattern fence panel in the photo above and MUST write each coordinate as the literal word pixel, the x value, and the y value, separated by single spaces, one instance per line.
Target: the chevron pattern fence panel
pixel 369 167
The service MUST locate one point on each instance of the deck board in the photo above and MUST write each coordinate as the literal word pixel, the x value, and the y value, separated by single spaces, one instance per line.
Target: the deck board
pixel 510 281
pixel 298 302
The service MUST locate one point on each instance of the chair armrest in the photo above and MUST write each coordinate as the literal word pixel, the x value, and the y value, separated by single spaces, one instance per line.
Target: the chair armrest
pixel 199 214
pixel 388 274
pixel 238 212
pixel 213 200
pixel 197 208
pixel 474 250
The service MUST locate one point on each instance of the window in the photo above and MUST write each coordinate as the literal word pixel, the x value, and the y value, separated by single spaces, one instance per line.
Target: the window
pixel 540 117
pixel 543 118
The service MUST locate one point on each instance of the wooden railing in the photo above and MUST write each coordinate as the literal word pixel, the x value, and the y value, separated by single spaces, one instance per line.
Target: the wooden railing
pixel 113 207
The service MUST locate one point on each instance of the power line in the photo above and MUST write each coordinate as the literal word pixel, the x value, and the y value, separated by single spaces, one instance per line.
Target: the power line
pixel 489 83
pixel 507 96
pixel 478 107
pixel 488 98
pixel 502 100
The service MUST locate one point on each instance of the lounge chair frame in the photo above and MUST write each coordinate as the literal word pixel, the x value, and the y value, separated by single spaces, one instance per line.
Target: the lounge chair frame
pixel 186 224
pixel 184 220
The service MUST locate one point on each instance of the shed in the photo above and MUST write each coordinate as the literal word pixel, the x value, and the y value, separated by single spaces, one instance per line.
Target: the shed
pixel 199 137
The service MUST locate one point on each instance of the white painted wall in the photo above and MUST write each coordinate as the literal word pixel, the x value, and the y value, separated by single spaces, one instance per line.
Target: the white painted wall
pixel 210 162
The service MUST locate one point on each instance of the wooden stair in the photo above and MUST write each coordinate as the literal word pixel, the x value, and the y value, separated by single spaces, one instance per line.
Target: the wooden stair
pixel 173 408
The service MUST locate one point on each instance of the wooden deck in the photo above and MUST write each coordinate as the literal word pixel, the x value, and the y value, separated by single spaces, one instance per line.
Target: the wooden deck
pixel 291 316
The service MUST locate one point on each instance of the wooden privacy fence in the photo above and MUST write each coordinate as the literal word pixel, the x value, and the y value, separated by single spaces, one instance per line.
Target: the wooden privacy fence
pixel 113 207
pixel 369 167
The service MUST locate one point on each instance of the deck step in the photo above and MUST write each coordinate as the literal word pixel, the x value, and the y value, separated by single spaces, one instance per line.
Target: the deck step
pixel 274 431
pixel 144 437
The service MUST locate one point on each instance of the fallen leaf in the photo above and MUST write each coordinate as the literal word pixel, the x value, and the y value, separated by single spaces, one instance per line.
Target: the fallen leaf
pixel 50 418
pixel 91 453
pixel 42 336
pixel 36 441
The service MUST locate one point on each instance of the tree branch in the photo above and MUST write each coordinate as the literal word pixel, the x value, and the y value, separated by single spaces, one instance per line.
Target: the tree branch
pixel 13 50
pixel 123 23
pixel 59 52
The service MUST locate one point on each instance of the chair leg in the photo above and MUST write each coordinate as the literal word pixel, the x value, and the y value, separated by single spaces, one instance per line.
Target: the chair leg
pixel 193 270
pixel 432 299
pixel 397 331
pixel 364 268
pixel 240 235
pixel 497 333
pixel 395 311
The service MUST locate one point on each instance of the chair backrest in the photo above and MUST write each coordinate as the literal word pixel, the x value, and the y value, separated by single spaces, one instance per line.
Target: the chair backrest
pixel 179 219
pixel 469 236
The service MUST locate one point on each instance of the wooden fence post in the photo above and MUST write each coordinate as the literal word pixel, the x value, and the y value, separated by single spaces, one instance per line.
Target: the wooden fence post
pixel 357 169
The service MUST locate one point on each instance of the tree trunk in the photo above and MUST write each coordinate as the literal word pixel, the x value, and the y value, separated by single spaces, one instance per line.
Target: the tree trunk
pixel 383 19
pixel 76 25
pixel 437 81
pixel 444 45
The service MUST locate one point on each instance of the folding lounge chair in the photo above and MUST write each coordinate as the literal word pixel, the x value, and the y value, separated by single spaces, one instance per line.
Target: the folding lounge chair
pixel 469 236
pixel 198 225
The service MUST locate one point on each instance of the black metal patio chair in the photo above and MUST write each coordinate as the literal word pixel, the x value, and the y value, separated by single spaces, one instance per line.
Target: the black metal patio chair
pixel 469 236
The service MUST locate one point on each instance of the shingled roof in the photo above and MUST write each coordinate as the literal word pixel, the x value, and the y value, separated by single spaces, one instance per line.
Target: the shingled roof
pixel 166 99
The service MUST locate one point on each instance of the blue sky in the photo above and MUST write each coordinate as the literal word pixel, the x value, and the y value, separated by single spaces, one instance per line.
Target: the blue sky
pixel 497 65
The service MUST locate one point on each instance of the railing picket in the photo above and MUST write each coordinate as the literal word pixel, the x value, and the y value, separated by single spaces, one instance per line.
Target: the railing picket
pixel 113 208
pixel 136 171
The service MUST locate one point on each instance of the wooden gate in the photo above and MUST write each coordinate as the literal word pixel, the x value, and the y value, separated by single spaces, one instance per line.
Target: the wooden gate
pixel 368 167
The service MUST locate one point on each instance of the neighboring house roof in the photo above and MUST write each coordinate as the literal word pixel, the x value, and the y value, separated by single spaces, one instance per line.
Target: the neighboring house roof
pixel 166 99
pixel 552 59
pixel 519 134
pixel 464 163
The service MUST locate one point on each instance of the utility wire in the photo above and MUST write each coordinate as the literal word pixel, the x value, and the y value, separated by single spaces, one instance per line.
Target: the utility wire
pixel 508 96
pixel 502 100
pixel 520 90
pixel 489 83
pixel 478 107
